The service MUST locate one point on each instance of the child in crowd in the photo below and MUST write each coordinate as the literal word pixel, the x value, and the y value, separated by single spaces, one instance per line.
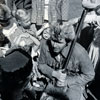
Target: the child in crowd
pixel 23 18
pixel 46 33
pixel 22 33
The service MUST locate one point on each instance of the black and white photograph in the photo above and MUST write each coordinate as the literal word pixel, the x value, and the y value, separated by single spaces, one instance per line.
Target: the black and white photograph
pixel 49 49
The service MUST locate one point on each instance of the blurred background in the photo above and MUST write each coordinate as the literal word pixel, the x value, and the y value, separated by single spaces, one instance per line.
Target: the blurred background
pixel 75 8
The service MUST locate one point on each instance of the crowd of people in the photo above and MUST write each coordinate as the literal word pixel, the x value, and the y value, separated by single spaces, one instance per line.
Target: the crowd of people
pixel 35 39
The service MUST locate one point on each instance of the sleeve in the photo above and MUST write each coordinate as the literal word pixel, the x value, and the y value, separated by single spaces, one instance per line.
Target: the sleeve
pixel 65 10
pixel 43 67
pixel 34 11
pixel 33 29
pixel 86 72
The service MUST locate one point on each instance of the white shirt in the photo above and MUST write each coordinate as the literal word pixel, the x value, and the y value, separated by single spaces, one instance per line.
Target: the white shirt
pixel 8 32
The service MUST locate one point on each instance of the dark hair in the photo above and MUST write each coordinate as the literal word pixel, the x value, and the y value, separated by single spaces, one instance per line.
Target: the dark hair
pixel 5 14
pixel 55 31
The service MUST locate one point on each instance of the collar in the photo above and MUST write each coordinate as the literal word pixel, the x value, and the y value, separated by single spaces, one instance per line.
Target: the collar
pixel 64 52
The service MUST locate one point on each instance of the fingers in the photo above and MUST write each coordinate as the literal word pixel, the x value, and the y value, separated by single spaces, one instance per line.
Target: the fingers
pixel 61 82
pixel 61 79
pixel 61 75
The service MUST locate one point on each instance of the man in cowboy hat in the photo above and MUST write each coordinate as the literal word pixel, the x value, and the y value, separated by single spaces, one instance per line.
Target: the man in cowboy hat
pixel 69 85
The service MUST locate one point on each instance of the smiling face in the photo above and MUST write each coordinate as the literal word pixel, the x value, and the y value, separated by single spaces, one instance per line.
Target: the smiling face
pixel 58 46
pixel 46 33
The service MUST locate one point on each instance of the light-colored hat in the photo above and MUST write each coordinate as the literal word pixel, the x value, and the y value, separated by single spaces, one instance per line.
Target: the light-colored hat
pixel 89 4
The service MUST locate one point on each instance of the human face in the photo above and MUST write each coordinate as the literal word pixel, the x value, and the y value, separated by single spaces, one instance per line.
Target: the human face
pixel 58 46
pixel 24 18
pixel 46 33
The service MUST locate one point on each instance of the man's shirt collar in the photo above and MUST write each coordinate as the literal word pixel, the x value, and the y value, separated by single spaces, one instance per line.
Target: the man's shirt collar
pixel 64 52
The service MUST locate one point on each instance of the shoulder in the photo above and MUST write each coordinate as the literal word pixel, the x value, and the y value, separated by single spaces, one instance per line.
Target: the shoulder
pixel 79 50
pixel 81 55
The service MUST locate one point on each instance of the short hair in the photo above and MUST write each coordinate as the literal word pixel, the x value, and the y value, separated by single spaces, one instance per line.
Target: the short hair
pixel 67 32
